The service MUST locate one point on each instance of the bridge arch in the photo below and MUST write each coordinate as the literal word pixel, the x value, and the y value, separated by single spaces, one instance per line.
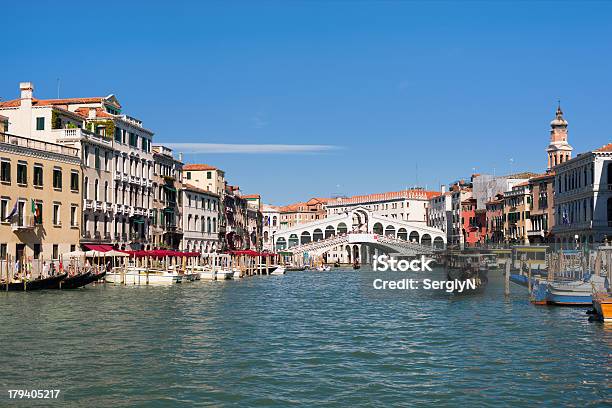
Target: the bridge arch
pixel 330 231
pixel 402 234
pixel 426 240
pixel 305 238
pixel 293 240
pixel 414 236
pixel 438 243
pixel 390 231
pixel 317 235
pixel 378 228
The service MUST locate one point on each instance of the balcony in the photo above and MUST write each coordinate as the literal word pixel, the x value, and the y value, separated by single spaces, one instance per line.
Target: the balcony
pixel 535 233
pixel 87 204
pixel 25 223
pixel 74 134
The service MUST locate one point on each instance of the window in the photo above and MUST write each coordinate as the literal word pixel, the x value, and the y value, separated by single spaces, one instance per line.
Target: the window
pixel 188 175
pixel 56 214
pixel 5 171
pixel 72 248
pixel 55 251
pixel 105 161
pixel 96 190
pixel 86 155
pixel 37 251
pixel 57 178
pixel 74 181
pixel 97 158
pixel 2 251
pixel 118 135
pixel 4 202
pixel 86 188
pixel 73 216
pixel 209 175
pixel 133 139
pixel 40 123
pixel 22 173
pixel 38 213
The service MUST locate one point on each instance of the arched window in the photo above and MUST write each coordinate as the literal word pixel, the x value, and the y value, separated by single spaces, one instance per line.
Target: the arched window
pixel 208 225
pixel 86 187
pixel 96 191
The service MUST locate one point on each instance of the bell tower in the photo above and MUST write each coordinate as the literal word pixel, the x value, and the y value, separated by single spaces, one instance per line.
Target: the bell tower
pixel 558 150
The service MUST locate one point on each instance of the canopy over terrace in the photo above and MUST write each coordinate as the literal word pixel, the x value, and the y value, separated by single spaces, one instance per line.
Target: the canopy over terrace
pixel 161 253
pixel 252 253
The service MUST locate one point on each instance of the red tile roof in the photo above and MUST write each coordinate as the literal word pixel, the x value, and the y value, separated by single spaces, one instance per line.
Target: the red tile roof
pixel 251 196
pixel 100 113
pixel 48 102
pixel 413 194
pixel 198 167
pixel 605 148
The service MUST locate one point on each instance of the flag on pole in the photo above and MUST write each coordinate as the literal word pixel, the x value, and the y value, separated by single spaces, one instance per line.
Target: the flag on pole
pixel 13 211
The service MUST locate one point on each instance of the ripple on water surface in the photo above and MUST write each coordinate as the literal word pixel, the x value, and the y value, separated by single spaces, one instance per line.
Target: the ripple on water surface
pixel 317 339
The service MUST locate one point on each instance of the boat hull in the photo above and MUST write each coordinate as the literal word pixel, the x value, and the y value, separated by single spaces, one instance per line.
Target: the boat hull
pixel 603 307
pixel 142 279
pixel 38 284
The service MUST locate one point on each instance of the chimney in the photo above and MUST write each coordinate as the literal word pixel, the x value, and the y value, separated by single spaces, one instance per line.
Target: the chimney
pixel 92 113
pixel 27 90
pixel 181 157
pixel 443 188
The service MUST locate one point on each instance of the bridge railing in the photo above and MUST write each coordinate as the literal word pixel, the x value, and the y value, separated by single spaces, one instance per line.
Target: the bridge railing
pixel 329 242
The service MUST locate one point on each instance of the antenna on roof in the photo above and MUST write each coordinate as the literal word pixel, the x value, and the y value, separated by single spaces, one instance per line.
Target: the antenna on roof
pixel 417 173
pixel 58 88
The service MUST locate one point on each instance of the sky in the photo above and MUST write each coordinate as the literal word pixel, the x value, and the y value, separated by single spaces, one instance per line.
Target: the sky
pixel 321 98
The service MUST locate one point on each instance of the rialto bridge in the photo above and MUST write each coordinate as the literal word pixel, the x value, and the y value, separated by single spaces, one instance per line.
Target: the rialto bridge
pixel 359 234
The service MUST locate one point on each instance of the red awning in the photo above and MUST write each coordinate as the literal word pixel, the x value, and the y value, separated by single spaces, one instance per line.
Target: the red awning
pixel 161 253
pixel 99 247
pixel 250 252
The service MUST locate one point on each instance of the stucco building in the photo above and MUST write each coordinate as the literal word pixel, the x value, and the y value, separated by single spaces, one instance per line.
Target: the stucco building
pixel 40 198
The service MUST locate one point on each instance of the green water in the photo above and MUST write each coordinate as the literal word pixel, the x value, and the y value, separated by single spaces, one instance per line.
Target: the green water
pixel 315 339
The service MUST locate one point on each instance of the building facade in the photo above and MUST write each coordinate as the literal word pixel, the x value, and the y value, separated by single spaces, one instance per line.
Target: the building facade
pixel 583 198
pixel 116 157
pixel 517 209
pixel 542 208
pixel 200 210
pixel 167 217
pixel 40 198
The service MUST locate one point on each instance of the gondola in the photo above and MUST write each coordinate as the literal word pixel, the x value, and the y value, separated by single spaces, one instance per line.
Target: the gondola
pixel 74 282
pixel 36 284
pixel 356 265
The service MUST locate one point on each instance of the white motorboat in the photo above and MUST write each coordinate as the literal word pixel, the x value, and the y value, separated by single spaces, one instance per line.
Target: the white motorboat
pixel 142 276
pixel 278 270
pixel 225 274
pixel 323 268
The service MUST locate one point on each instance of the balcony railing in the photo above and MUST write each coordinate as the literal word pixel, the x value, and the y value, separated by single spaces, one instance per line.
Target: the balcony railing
pixel 80 134
pixel 38 145
pixel 23 223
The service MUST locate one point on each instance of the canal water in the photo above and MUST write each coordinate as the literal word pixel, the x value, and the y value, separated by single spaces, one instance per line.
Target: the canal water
pixel 316 339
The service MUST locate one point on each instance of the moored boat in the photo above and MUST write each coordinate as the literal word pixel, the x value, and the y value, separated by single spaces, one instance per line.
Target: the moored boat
pixel 143 276
pixel 278 270
pixel 36 284
pixel 74 282
pixel 573 293
pixel 602 304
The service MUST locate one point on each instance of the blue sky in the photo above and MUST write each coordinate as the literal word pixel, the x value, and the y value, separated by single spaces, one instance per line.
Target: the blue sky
pixel 393 86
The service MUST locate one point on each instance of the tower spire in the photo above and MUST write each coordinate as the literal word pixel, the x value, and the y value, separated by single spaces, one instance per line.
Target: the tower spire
pixel 558 150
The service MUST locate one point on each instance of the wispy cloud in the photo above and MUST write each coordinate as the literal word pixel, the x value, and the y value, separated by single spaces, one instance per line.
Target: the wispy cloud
pixel 259 120
pixel 224 148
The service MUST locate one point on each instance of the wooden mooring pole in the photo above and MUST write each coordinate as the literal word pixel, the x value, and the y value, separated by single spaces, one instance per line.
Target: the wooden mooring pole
pixel 507 278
